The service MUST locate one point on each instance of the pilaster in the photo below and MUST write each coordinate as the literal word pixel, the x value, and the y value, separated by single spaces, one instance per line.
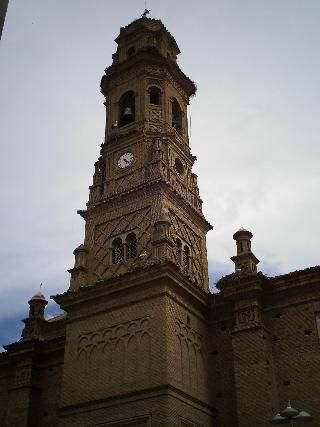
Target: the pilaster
pixel 254 370
pixel 25 390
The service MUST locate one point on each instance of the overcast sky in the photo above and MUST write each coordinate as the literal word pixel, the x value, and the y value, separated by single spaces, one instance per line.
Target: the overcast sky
pixel 255 130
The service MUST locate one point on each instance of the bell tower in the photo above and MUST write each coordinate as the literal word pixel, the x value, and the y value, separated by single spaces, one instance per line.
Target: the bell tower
pixel 144 172
pixel 136 336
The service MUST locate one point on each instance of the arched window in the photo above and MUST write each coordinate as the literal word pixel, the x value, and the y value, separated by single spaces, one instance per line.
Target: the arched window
pixel 131 244
pixel 117 251
pixel 176 116
pixel 131 51
pixel 126 108
pixel 186 257
pixel 154 95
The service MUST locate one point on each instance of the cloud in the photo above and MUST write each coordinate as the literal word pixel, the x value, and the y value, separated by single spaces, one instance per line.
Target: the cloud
pixel 255 131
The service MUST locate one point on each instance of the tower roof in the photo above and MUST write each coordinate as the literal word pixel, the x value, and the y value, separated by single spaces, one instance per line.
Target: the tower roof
pixel 148 24
pixel 38 296
pixel 242 232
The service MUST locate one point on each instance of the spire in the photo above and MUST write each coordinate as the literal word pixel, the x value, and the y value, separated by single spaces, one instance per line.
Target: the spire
pixel 245 261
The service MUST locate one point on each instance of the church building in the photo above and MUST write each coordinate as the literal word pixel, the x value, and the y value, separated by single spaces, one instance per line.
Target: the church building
pixel 142 342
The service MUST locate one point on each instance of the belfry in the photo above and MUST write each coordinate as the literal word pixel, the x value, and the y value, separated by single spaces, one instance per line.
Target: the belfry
pixel 144 206
pixel 142 341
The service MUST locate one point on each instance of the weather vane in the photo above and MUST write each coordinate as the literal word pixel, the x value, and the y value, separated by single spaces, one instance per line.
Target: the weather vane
pixel 41 286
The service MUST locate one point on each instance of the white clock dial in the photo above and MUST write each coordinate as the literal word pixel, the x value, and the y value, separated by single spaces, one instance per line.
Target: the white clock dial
pixel 125 160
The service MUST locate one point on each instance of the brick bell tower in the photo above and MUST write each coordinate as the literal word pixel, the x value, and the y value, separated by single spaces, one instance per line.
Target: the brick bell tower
pixel 137 302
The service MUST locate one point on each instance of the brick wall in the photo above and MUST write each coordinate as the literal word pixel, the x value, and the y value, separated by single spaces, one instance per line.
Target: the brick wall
pixel 296 350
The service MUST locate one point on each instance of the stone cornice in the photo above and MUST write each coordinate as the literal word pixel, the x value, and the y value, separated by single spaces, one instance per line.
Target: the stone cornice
pixel 30 347
pixel 24 348
pixel 307 273
pixel 149 282
pixel 143 394
pixel 244 257
pixel 302 283
pixel 149 187
pixel 235 285
pixel 149 58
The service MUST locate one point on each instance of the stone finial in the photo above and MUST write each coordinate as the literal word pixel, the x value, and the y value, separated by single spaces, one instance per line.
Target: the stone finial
pixel 37 305
pixel 245 261
pixel 79 273
pixel 35 322
pixel 80 255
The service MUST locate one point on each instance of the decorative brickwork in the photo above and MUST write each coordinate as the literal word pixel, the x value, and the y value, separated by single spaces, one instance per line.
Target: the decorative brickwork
pixel 122 351
pixel 140 221
pixel 142 342
pixel 190 350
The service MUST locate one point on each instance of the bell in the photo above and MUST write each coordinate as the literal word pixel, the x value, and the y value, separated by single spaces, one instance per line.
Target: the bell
pixel 128 111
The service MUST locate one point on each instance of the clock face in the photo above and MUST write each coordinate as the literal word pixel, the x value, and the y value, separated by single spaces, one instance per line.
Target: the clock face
pixel 125 160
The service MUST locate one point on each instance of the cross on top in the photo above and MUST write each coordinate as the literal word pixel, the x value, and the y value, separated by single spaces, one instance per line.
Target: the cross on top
pixel 145 13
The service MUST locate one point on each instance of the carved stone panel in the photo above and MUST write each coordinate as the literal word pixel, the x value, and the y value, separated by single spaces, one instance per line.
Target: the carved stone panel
pixel 247 317
pixel 155 113
pixel 23 376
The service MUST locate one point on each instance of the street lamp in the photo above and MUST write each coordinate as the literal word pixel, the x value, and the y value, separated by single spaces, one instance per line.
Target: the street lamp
pixel 291 416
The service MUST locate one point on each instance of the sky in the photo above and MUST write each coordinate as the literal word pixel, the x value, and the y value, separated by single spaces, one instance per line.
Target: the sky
pixel 255 131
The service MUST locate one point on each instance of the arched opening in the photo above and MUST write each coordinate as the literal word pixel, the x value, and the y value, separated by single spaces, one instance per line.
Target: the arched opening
pixel 176 116
pixel 178 165
pixel 131 51
pixel 126 108
pixel 154 95
pixel 117 251
pixel 131 244
pixel 186 257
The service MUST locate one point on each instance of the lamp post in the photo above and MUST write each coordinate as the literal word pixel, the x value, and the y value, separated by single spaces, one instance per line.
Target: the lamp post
pixel 291 416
